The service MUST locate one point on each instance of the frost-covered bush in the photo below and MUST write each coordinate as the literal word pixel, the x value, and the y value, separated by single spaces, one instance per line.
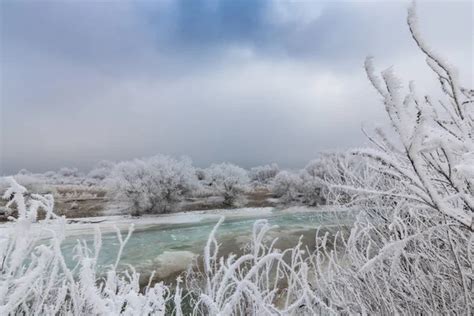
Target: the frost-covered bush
pixel 50 174
pixel 66 176
pixel 300 187
pixel 228 180
pixel 415 254
pixel 316 168
pixel 309 185
pixel 409 262
pixel 264 280
pixel 69 172
pixel 35 279
pixel 100 172
pixel 24 172
pixel 263 175
pixel 312 185
pixel 204 189
pixel 433 155
pixel 411 250
pixel 286 186
pixel 311 189
pixel 34 183
pixel 200 174
pixel 153 185
pixel 338 174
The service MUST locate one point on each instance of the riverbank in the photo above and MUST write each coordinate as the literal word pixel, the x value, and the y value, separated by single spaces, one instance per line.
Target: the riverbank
pixel 80 202
pixel 108 224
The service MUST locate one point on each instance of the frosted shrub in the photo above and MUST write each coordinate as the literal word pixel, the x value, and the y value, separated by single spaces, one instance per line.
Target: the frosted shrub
pixel 228 180
pixel 24 172
pixel 204 189
pixel 69 172
pixel 36 281
pixel 100 172
pixel 433 160
pixel 348 180
pixel 311 189
pixel 416 256
pixel 312 182
pixel 200 174
pixel 263 281
pixel 412 264
pixel 66 175
pixel 50 174
pixel 310 186
pixel 286 186
pixel 33 183
pixel 153 185
pixel 263 175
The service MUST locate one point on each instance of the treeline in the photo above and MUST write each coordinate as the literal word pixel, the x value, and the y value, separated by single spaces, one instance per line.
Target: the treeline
pixel 160 183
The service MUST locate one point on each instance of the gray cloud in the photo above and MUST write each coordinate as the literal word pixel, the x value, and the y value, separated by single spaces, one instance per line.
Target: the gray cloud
pixel 219 80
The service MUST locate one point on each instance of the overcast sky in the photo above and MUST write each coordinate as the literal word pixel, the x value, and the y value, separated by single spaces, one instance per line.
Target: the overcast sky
pixel 249 82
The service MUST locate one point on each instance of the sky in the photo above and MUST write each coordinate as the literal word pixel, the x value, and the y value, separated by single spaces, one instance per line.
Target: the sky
pixel 245 81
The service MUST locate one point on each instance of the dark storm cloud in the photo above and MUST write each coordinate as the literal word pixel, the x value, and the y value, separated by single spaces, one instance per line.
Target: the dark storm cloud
pixel 243 81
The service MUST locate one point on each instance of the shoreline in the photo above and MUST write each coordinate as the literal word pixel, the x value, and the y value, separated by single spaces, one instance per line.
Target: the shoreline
pixel 108 223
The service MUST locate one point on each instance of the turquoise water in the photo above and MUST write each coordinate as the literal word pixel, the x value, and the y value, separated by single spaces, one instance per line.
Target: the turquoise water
pixel 148 243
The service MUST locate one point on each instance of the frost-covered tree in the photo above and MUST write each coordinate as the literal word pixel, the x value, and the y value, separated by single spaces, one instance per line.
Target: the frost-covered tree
pixel 323 180
pixel 200 174
pixel 24 172
pixel 343 178
pixel 33 182
pixel 286 186
pixel 228 180
pixel 101 171
pixel 263 175
pixel 50 174
pixel 312 185
pixel 311 189
pixel 69 172
pixel 153 185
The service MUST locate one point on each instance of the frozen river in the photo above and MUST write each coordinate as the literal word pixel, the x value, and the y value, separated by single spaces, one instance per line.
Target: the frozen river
pixel 168 243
